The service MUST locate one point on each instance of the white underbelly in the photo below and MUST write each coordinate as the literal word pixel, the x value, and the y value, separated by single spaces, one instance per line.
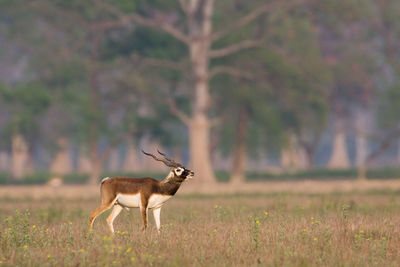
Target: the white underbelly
pixel 130 201
pixel 134 201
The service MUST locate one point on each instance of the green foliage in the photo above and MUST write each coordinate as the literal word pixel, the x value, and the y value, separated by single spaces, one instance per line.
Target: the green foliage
pixel 4 177
pixel 75 178
pixel 389 108
pixel 144 42
pixel 26 103
pixel 36 178
pixel 321 174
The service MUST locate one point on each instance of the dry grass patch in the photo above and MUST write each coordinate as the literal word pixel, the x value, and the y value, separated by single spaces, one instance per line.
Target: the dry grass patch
pixel 240 230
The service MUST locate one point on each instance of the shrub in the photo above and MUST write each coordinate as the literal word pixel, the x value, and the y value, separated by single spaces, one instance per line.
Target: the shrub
pixel 35 178
pixel 4 177
pixel 75 178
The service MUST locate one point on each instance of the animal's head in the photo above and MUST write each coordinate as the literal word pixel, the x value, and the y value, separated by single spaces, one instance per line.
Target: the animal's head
pixel 178 169
pixel 183 173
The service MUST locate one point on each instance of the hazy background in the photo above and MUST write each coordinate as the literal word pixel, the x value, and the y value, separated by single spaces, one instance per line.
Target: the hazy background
pixel 233 89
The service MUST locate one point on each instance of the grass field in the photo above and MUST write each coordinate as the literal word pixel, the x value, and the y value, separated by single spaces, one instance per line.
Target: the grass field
pixel 275 229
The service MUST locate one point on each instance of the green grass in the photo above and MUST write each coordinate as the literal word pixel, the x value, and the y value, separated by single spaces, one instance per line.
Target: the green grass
pixel 349 229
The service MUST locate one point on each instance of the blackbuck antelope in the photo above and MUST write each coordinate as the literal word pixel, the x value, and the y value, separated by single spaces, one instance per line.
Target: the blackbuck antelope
pixel 144 193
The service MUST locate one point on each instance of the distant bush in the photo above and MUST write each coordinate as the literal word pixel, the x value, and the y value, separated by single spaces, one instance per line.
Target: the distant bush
pixel 323 174
pixel 34 178
pixel 221 176
pixel 4 177
pixel 305 174
pixel 383 173
pixel 75 178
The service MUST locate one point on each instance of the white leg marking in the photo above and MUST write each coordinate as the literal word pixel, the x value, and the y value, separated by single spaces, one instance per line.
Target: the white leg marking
pixel 114 213
pixel 156 213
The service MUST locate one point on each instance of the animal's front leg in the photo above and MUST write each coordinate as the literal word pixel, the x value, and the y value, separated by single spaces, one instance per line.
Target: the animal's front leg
pixel 144 201
pixel 156 213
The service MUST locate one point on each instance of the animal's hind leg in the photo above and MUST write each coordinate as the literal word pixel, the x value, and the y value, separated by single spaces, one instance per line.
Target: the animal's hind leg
pixel 110 219
pixel 102 208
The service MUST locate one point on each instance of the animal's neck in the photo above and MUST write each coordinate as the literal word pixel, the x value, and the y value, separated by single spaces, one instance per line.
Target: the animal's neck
pixel 170 184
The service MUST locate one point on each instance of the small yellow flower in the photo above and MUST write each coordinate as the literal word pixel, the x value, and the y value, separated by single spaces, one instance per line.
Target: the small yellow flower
pixel 236 231
pixel 315 239
pixel 216 207
pixel 47 229
pixel 48 256
pixel 361 231
pixel 304 230
pixel 215 230
pixel 128 250
pixel 81 250
pixel 70 222
pixel 132 259
pixel 266 213
pixel 9 229
pixel 33 226
pixel 123 233
pixel 25 246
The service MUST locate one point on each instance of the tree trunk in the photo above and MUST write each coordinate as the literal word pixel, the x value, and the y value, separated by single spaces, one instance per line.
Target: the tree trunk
pixel 61 163
pixel 199 154
pixel 19 157
pixel 114 161
pixel 398 151
pixel 95 173
pixel 95 158
pixel 199 125
pixel 361 145
pixel 239 160
pixel 309 153
pixel 293 157
pixel 4 161
pixel 84 165
pixel 131 163
pixel 339 158
pixel 95 162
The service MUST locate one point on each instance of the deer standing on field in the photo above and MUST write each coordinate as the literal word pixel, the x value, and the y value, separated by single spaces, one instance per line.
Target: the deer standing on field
pixel 143 193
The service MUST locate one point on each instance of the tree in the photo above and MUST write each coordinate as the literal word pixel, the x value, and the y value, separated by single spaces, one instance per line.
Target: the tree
pixel 26 103
pixel 196 32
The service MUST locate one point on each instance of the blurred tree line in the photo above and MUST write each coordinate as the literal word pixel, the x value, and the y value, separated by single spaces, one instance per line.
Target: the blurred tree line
pixel 206 80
